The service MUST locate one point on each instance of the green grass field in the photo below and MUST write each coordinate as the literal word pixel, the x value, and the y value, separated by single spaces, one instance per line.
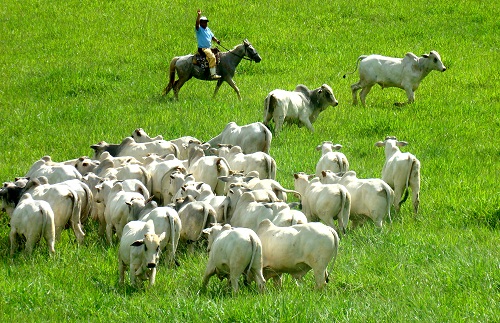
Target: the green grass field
pixel 77 72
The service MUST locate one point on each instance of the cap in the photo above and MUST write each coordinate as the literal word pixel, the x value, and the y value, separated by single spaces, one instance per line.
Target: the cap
pixel 204 19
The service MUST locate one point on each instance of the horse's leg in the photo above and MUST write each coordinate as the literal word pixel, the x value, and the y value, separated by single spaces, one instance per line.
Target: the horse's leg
pixel 219 83
pixel 233 85
pixel 177 86
pixel 168 88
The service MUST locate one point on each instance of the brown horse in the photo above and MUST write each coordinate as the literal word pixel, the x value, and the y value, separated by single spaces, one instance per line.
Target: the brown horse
pixel 228 62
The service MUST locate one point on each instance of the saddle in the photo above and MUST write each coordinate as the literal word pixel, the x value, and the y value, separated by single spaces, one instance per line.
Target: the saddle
pixel 200 58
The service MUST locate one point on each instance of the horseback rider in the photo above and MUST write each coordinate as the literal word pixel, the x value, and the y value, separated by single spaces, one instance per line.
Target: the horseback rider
pixel 205 36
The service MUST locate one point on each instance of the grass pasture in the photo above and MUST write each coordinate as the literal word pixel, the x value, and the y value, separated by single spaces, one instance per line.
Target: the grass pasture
pixel 77 72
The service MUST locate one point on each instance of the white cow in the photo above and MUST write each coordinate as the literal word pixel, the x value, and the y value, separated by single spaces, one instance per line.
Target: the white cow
pixel 258 161
pixel 160 170
pixel 208 169
pixel 140 135
pixel 166 220
pixel 121 208
pixel 405 73
pixel 401 171
pixel 54 172
pixel 32 219
pixel 232 251
pixel 301 106
pixel 370 198
pixel 139 252
pixel 251 138
pixel 234 195
pixel 298 249
pixel 195 216
pixel 129 147
pixel 252 181
pixel 325 202
pixel 334 161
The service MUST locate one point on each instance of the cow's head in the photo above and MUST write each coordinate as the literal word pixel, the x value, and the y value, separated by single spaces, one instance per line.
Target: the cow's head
pixel 151 245
pixel 213 233
pixel 433 61
pixel 326 95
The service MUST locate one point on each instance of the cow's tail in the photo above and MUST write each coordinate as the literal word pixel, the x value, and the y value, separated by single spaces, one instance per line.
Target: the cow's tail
pixel 360 58
pixel 86 213
pixel 76 215
pixel 172 238
pixel 390 198
pixel 407 184
pixel 171 76
pixel 268 136
pixel 345 208
pixel 254 253
pixel 206 213
pixel 271 167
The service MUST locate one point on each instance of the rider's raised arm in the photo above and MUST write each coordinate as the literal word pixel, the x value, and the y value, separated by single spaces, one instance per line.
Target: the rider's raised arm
pixel 198 19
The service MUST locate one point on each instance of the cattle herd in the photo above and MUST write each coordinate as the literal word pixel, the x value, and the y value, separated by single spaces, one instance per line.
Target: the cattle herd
pixel 149 195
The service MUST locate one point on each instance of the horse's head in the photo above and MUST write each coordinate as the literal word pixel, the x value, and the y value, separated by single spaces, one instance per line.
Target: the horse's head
pixel 250 52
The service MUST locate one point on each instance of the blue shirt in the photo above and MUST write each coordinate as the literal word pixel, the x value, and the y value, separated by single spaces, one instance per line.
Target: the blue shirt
pixel 204 37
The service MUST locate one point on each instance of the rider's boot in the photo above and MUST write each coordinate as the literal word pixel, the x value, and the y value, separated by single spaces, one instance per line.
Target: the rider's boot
pixel 213 74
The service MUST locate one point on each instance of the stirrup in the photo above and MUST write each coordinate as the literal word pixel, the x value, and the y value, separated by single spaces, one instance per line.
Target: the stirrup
pixel 214 77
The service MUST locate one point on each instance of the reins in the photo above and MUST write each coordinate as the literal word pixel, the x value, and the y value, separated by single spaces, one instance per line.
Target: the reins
pixel 230 51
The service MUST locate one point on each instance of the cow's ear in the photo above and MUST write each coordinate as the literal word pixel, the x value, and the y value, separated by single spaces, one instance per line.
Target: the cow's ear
pixel 137 243
pixel 379 144
pixel 401 143
pixel 320 90
pixel 425 55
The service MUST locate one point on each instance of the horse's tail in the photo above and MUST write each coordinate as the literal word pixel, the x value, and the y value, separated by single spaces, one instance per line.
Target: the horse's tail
pixel 171 76
pixel 360 58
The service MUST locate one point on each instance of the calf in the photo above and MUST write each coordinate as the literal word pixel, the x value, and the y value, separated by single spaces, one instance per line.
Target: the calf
pixel 302 106
pixel 139 252
pixel 370 198
pixel 232 251
pixel 326 202
pixel 401 171
pixel 32 219
pixel 331 160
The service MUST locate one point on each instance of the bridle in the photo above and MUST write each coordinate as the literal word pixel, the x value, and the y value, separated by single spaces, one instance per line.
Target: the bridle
pixel 243 57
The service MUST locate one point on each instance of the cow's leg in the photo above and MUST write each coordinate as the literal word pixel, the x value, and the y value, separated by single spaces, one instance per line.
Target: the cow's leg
pixel 279 120
pixel 31 240
pixel 13 241
pixel 364 92
pixel 410 94
pixel 398 192
pixel 209 272
pixel 133 276
pixel 320 275
pixel 308 124
pixel 354 89
pixel 121 270
pixel 234 276
pixel 109 232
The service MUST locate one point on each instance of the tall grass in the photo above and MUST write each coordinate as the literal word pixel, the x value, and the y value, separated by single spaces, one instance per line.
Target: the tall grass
pixel 78 72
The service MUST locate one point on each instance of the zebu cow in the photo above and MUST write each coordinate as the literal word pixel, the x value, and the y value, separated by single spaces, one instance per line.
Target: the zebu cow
pixel 64 201
pixel 326 202
pixel 401 171
pixel 258 161
pixel 232 251
pixel 140 135
pixel 251 138
pixel 54 172
pixel 208 169
pixel 139 252
pixel 298 249
pixel 334 161
pixel 32 219
pixel 129 147
pixel 166 220
pixel 301 106
pixel 370 198
pixel 405 73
